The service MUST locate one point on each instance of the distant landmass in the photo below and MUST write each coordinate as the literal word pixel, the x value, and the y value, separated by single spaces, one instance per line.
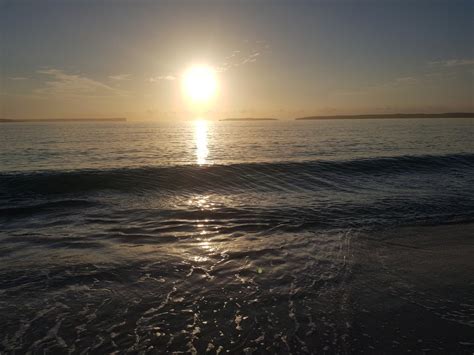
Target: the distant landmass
pixel 395 115
pixel 249 119
pixel 113 119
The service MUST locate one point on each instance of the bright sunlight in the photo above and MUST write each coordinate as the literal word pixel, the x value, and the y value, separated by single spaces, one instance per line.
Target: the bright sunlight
pixel 200 84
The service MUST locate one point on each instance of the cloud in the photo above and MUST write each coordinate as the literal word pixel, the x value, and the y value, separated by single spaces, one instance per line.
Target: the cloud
pixel 237 59
pixel 168 77
pixel 440 75
pixel 72 85
pixel 394 84
pixel 406 80
pixel 254 50
pixel 120 77
pixel 18 78
pixel 251 58
pixel 452 62
pixel 234 53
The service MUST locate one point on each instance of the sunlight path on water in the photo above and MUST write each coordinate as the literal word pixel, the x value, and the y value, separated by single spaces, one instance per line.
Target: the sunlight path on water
pixel 200 136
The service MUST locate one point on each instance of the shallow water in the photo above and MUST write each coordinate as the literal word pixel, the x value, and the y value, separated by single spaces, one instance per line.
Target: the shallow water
pixel 235 236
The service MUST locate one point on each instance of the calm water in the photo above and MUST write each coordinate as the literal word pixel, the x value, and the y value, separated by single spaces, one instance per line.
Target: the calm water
pixel 237 237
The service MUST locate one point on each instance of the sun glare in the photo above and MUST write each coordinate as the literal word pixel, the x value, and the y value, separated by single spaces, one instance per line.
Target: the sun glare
pixel 200 84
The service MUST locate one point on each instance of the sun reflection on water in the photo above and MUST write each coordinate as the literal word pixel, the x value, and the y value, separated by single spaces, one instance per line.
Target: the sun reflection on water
pixel 203 245
pixel 200 137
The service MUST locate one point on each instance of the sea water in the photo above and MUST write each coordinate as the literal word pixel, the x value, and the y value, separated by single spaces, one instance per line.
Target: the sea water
pixel 237 237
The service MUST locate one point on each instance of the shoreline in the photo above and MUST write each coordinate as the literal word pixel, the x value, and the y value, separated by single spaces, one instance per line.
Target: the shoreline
pixel 391 116
pixel 412 283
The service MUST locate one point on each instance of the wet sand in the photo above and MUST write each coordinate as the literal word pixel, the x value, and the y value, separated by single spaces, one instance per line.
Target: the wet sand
pixel 413 291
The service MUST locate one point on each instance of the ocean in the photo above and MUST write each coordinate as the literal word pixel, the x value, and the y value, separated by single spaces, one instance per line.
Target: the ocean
pixel 329 236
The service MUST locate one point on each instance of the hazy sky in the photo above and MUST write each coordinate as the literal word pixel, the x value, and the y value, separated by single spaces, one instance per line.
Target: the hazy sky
pixel 274 58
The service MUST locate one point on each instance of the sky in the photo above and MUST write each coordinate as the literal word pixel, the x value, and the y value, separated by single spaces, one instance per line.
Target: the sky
pixel 283 59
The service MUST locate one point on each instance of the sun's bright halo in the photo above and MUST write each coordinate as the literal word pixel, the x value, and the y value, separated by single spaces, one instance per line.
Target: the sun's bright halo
pixel 200 83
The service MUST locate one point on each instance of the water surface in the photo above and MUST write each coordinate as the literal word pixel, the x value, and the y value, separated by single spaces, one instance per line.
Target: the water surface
pixel 237 236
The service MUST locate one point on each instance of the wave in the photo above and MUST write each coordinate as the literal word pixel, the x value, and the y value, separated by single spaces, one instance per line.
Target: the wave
pixel 293 176
pixel 46 207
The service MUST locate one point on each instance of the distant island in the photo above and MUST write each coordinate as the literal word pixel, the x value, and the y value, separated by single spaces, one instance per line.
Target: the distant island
pixel 249 119
pixel 395 115
pixel 119 119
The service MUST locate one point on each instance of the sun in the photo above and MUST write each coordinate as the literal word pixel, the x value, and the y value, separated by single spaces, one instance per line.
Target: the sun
pixel 200 84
